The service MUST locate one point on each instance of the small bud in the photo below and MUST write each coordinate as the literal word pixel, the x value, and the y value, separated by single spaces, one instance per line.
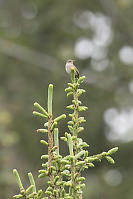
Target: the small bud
pixel 71 85
pixel 64 161
pixel 15 172
pixel 44 142
pixel 63 193
pixel 70 128
pixel 53 125
pixel 42 131
pixel 63 116
pixel 80 154
pixel 55 192
pixel 44 157
pixel 39 194
pixel 91 165
pixel 56 179
pixel 64 139
pixel 110 160
pixel 70 107
pixel 103 153
pixel 42 171
pixel 80 179
pixel 71 115
pixel 113 150
pixel 80 129
pixel 31 195
pixel 80 163
pixel 80 80
pixel 85 154
pixel 46 124
pixel 68 184
pixel 91 159
pixel 70 122
pixel 48 192
pixel 40 108
pixel 18 196
pixel 73 74
pixel 80 92
pixel 68 89
pixel 70 93
pixel 54 148
pixel 29 189
pixel 42 175
pixel 82 108
pixel 39 114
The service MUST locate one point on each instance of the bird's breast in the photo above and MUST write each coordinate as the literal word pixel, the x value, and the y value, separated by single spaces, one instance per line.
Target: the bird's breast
pixel 68 67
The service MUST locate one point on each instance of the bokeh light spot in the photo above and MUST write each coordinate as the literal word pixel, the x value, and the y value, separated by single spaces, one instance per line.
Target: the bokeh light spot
pixel 126 55
pixel 113 177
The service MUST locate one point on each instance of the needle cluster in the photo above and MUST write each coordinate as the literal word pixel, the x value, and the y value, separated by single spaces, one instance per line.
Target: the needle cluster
pixel 65 180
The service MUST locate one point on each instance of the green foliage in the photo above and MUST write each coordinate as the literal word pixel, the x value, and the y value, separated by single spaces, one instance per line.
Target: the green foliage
pixel 64 173
pixel 30 192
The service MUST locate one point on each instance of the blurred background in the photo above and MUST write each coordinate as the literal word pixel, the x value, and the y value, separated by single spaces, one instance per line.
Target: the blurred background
pixel 36 39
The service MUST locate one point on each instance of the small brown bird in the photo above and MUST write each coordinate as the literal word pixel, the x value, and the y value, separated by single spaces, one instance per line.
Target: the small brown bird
pixel 69 65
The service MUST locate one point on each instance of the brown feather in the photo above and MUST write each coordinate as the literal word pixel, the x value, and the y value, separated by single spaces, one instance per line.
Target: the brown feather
pixel 76 72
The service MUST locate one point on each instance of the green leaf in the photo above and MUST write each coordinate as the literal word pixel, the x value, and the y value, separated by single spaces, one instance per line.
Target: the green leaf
pixel 63 116
pixel 50 98
pixel 29 189
pixel 41 109
pixel 42 171
pixel 80 163
pixel 42 131
pixel 56 179
pixel 80 80
pixel 54 148
pixel 64 161
pixel 70 93
pixel 109 159
pixel 39 114
pixel 44 142
pixel 64 139
pixel 70 143
pixel 18 196
pixel 70 84
pixel 80 154
pixel 32 181
pixel 91 159
pixel 91 164
pixel 56 140
pixel 68 184
pixel 80 129
pixel 31 195
pixel 80 92
pixel 72 74
pixel 70 128
pixel 70 122
pixel 113 150
pixel 42 175
pixel 48 192
pixel 44 157
pixel 53 126
pixel 15 172
pixel 82 108
pixel 39 194
pixel 80 179
pixel 70 107
pixel 46 124
pixel 68 89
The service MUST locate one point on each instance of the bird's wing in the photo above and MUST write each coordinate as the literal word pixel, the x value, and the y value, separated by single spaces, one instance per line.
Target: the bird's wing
pixel 76 72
